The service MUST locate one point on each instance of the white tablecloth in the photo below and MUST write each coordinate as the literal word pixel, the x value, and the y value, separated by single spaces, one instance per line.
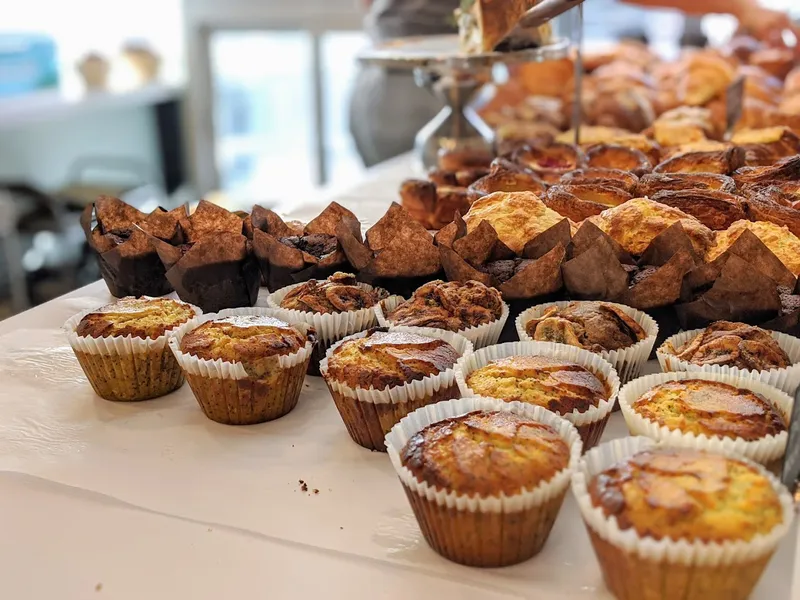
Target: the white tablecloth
pixel 153 500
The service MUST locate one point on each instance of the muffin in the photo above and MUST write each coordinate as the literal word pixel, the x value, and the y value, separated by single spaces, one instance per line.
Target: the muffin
pixel 378 376
pixel 735 349
pixel 707 411
pixel 569 381
pixel 122 347
pixel 485 478
pixel 781 242
pixel 470 308
pixel 620 334
pixel 244 366
pixel 679 523
pixel 335 307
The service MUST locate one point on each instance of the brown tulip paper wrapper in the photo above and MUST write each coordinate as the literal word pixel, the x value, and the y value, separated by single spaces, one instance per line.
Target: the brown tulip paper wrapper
pixel 483 531
pixel 132 267
pixel 398 253
pixel 126 368
pixel 590 423
pixel 283 265
pixel 788 321
pixel 644 568
pixel 369 414
pixel 224 390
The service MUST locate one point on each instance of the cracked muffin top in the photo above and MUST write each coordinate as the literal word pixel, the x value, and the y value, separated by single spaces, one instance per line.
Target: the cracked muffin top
pixel 138 317
pixel 338 293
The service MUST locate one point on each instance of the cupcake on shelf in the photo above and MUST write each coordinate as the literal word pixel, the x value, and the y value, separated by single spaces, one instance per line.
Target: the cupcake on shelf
pixel 335 307
pixel 485 478
pixel 470 308
pixel 122 347
pixel 710 411
pixel 735 349
pixel 679 523
pixel 378 376
pixel 620 334
pixel 569 381
pixel 245 366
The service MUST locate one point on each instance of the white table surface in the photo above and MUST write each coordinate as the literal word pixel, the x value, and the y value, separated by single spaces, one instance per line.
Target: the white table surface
pixel 153 500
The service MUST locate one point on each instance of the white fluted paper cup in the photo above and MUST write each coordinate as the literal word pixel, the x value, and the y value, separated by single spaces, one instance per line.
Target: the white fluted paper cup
pixel 590 423
pixel 480 335
pixel 786 379
pixel 642 567
pixel 224 390
pixel 127 368
pixel 628 362
pixel 765 451
pixel 369 413
pixel 330 327
pixel 483 531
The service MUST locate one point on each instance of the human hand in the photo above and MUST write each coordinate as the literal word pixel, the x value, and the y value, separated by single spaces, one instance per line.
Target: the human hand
pixel 768 25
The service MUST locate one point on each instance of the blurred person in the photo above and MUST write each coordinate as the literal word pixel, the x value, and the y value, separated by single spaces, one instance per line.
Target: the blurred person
pixel 387 108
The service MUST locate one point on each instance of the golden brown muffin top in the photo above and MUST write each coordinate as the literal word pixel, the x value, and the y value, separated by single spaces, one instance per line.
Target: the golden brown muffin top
pixel 452 306
pixel 253 340
pixel 710 408
pixel 733 345
pixel 557 385
pixel 595 326
pixel 138 317
pixel 384 359
pixel 685 494
pixel 338 293
pixel 486 454
pixel 781 242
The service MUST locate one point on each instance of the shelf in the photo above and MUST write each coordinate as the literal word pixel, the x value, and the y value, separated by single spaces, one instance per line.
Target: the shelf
pixel 48 105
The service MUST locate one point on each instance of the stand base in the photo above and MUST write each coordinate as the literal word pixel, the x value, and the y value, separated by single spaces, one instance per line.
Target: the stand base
pixel 452 130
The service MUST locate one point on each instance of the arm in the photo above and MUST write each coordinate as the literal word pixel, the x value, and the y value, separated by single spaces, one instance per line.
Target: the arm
pixel 700 7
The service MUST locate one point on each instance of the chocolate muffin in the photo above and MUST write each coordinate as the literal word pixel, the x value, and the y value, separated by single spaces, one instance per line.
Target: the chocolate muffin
pixel 338 293
pixel 452 306
pixel 138 317
pixel 595 326
pixel 733 345
pixel 253 366
pixel 710 408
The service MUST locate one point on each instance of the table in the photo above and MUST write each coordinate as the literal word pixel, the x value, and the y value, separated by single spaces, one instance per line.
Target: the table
pixel 153 500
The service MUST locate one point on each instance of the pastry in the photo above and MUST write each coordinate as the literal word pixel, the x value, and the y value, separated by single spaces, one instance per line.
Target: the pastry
pixel 457 160
pixel 628 108
pixel 762 206
pixel 704 77
pixel 733 345
pixel 550 162
pixel 484 24
pixel 714 209
pixel 338 293
pixel 781 242
pixel 653 183
pixel 616 177
pixel 122 347
pixel 787 169
pixel 580 201
pixel 636 223
pixel 764 147
pixel 503 180
pixel 778 62
pixel 379 376
pixel 515 134
pixel 723 162
pixel 610 156
pixel 517 217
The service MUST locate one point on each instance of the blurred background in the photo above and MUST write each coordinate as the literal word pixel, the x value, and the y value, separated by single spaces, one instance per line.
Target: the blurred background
pixel 162 102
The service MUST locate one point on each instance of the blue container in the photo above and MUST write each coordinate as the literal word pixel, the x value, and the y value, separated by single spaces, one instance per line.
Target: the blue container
pixel 27 63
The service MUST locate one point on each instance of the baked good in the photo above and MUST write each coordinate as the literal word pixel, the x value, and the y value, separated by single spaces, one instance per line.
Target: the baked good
pixel 636 223
pixel 453 306
pixel 484 24
pixel 338 293
pixel 122 347
pixel 787 169
pixel 580 201
pixel 557 385
pixel 775 208
pixel 791 85
pixel 778 62
pixel 550 162
pixel 513 134
pixel 683 125
pixel 733 345
pixel 616 177
pixel 704 77
pixel 781 242
pixel 623 105
pixel 764 147
pixel 503 180
pixel 431 205
pixel 461 178
pixel 714 209
pixel 721 162
pixel 653 183
pixel 612 156
pixel 379 376
pixel 457 160
pixel 517 217
pixel 272 355
pixel 594 326
pixel 710 408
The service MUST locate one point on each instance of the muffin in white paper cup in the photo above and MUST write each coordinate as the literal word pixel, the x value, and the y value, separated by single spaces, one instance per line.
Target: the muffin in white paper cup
pixel 767 450
pixel 369 411
pixel 590 422
pixel 665 567
pixel 480 335
pixel 786 379
pixel 132 367
pixel 224 389
pixel 485 529
pixel 330 327
pixel 628 362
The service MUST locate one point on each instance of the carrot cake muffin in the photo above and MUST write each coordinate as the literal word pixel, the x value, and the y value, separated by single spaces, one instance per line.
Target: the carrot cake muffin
pixel 338 293
pixel 138 317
